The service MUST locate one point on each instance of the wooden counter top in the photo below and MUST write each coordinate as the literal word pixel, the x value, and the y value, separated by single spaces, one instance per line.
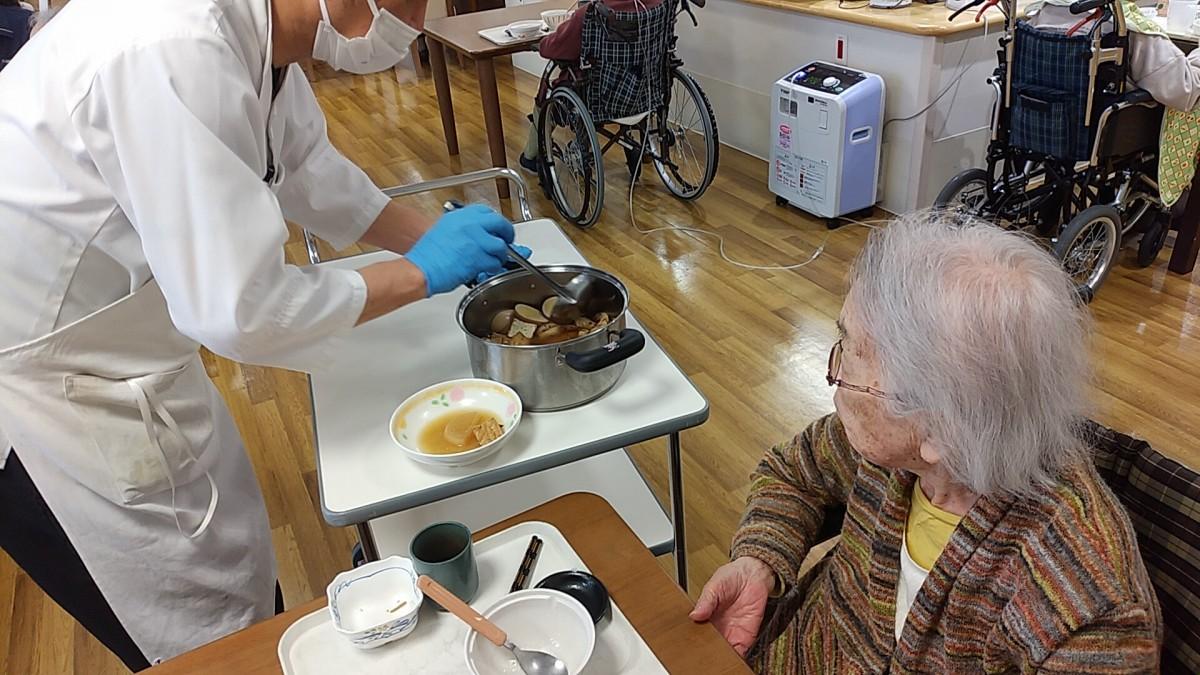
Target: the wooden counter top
pixel 917 19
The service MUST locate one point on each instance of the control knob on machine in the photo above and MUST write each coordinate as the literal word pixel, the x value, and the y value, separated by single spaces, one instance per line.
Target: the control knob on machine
pixel 830 82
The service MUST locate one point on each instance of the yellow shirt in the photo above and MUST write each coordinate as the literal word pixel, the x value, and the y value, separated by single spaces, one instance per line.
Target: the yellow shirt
pixel 928 530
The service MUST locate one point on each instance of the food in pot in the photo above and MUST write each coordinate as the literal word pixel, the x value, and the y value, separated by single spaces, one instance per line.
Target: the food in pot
pixel 530 314
pixel 459 431
pixel 502 320
pixel 526 325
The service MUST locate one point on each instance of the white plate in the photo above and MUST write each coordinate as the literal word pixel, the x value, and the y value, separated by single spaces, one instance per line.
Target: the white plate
pixel 311 646
pixel 500 36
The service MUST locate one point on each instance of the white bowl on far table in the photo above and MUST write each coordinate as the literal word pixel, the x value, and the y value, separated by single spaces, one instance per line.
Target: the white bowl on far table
pixel 522 30
pixel 376 603
pixel 554 17
pixel 428 405
pixel 538 618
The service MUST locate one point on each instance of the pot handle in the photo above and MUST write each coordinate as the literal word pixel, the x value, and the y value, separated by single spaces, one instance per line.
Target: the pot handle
pixel 629 342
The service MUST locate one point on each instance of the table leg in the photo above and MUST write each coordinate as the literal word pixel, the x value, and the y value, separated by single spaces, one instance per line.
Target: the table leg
pixel 441 82
pixel 676 471
pixel 1187 238
pixel 490 95
pixel 367 539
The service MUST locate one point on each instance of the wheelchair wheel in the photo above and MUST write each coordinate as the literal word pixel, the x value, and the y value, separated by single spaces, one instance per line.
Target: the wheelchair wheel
pixel 1088 246
pixel 683 140
pixel 571 159
pixel 1153 240
pixel 965 192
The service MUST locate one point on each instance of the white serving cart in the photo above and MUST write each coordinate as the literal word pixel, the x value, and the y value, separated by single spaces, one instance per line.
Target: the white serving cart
pixel 365 481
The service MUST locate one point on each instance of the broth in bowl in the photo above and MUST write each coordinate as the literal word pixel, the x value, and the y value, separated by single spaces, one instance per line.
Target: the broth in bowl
pixel 459 431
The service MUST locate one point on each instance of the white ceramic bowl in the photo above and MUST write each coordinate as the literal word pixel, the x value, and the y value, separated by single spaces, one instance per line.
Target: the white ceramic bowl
pixel 429 404
pixel 361 600
pixel 539 618
pixel 525 29
pixel 554 17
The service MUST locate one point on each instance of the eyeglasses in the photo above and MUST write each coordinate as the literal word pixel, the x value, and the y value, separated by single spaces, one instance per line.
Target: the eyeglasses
pixel 835 368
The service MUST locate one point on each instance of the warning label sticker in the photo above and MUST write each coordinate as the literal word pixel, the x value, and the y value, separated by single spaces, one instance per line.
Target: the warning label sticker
pixel 812 177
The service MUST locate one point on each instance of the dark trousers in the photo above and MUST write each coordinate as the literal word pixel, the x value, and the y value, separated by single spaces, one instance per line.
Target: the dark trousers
pixel 31 535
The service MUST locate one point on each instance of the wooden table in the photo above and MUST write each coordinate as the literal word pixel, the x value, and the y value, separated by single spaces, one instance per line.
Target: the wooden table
pixel 918 18
pixel 461 34
pixel 655 606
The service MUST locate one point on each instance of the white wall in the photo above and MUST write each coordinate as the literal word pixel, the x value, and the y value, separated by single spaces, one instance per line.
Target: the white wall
pixel 740 49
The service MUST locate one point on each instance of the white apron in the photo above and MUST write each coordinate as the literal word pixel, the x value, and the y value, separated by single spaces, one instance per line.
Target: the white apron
pixel 136 455
pixel 113 416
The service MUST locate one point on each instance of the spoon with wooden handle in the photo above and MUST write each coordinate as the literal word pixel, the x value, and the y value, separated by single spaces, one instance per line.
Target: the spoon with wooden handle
pixel 531 661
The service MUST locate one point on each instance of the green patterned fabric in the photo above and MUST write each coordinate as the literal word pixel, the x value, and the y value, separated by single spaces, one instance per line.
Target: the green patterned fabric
pixel 1179 140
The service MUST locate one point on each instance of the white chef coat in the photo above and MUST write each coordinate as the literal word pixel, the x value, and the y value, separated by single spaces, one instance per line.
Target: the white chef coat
pixel 134 139
pixel 135 145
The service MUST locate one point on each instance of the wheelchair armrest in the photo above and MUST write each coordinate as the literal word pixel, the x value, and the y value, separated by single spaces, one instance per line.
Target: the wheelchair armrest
pixel 1135 97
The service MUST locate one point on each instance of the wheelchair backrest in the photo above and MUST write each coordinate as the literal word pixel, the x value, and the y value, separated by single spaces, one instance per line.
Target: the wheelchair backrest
pixel 1050 84
pixel 624 59
pixel 14 31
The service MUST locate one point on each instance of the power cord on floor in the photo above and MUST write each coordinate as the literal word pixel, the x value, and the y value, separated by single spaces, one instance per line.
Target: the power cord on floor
pixel 721 238
pixel 635 175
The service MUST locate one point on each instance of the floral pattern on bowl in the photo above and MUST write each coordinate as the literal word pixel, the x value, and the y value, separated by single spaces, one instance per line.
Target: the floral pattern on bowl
pixel 368 591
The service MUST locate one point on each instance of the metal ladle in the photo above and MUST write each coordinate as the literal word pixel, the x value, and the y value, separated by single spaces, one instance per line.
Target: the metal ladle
pixel 532 662
pixel 571 298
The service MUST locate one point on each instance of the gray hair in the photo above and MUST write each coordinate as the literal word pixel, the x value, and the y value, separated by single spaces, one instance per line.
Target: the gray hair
pixel 981 337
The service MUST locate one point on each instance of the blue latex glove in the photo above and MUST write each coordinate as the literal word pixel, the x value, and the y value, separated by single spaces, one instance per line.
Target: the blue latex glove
pixel 525 252
pixel 460 246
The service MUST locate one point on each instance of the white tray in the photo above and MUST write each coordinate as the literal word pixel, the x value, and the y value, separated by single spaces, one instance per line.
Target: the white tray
pixel 500 36
pixel 311 646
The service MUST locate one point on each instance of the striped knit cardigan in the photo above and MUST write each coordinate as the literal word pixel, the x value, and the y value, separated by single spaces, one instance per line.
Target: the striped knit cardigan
pixel 1050 583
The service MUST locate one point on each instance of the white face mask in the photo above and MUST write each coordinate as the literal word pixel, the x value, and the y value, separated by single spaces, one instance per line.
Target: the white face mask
pixel 387 42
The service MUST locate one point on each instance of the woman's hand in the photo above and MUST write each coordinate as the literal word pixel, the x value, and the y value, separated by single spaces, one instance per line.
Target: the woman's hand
pixel 734 600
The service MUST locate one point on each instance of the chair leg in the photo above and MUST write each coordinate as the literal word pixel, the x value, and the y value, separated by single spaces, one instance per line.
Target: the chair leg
pixel 1187 239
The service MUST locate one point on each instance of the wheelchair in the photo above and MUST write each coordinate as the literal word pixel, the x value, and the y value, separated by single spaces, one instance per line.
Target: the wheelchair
pixel 628 89
pixel 1073 154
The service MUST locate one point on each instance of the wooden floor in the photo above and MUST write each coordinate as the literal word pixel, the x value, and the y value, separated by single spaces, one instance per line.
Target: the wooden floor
pixel 755 342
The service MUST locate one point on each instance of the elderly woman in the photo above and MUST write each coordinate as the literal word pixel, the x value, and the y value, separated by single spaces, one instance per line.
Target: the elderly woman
pixel 978 536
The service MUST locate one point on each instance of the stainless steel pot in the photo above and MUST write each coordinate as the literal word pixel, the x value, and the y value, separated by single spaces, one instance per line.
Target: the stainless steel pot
pixel 557 376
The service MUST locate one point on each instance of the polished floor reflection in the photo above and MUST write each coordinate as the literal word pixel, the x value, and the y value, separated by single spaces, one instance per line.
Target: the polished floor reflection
pixel 754 341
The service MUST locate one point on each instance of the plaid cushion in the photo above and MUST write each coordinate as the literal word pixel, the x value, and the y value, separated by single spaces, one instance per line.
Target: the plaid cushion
pixel 1050 83
pixel 1163 500
pixel 623 56
pixel 14 31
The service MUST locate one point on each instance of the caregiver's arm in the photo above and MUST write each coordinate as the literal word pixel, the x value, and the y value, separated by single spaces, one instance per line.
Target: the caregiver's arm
pixel 397 228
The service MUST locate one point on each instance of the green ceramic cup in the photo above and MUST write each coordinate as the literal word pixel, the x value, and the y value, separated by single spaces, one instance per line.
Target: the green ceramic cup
pixel 443 552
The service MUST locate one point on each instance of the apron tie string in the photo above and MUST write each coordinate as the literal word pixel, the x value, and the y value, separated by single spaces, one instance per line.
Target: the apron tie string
pixel 144 401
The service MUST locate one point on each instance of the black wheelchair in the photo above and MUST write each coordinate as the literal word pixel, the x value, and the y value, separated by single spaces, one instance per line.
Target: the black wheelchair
pixel 629 89
pixel 1074 150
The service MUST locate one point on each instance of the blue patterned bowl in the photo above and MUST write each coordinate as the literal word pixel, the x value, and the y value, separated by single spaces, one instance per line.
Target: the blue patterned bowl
pixel 376 603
